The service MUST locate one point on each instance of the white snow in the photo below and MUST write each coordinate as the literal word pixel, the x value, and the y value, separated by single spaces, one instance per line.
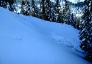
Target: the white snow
pixel 29 40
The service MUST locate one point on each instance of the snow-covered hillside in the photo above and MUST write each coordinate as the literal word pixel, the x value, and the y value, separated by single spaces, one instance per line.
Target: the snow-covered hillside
pixel 28 40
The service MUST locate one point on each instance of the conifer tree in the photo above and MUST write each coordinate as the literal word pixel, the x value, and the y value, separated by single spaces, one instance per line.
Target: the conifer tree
pixel 4 3
pixel 86 32
pixel 66 12
pixel 33 9
pixel 42 9
pixel 25 7
pixel 58 14
pixel 47 4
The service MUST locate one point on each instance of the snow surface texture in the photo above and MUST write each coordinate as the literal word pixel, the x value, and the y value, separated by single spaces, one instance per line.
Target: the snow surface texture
pixel 28 40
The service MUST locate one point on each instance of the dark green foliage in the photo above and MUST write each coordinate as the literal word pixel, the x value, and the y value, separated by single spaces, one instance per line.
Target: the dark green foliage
pixel 86 32
pixel 66 12
pixel 42 9
pixel 45 7
pixel 58 11
pixel 33 9
pixel 3 3
pixel 25 7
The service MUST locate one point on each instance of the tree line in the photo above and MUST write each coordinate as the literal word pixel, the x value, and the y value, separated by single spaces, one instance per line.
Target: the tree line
pixel 54 12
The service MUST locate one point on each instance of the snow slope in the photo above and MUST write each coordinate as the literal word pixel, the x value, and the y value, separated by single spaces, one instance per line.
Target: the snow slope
pixel 28 40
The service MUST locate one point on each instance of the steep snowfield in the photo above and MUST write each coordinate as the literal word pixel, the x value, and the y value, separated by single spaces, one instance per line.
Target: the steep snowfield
pixel 28 40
